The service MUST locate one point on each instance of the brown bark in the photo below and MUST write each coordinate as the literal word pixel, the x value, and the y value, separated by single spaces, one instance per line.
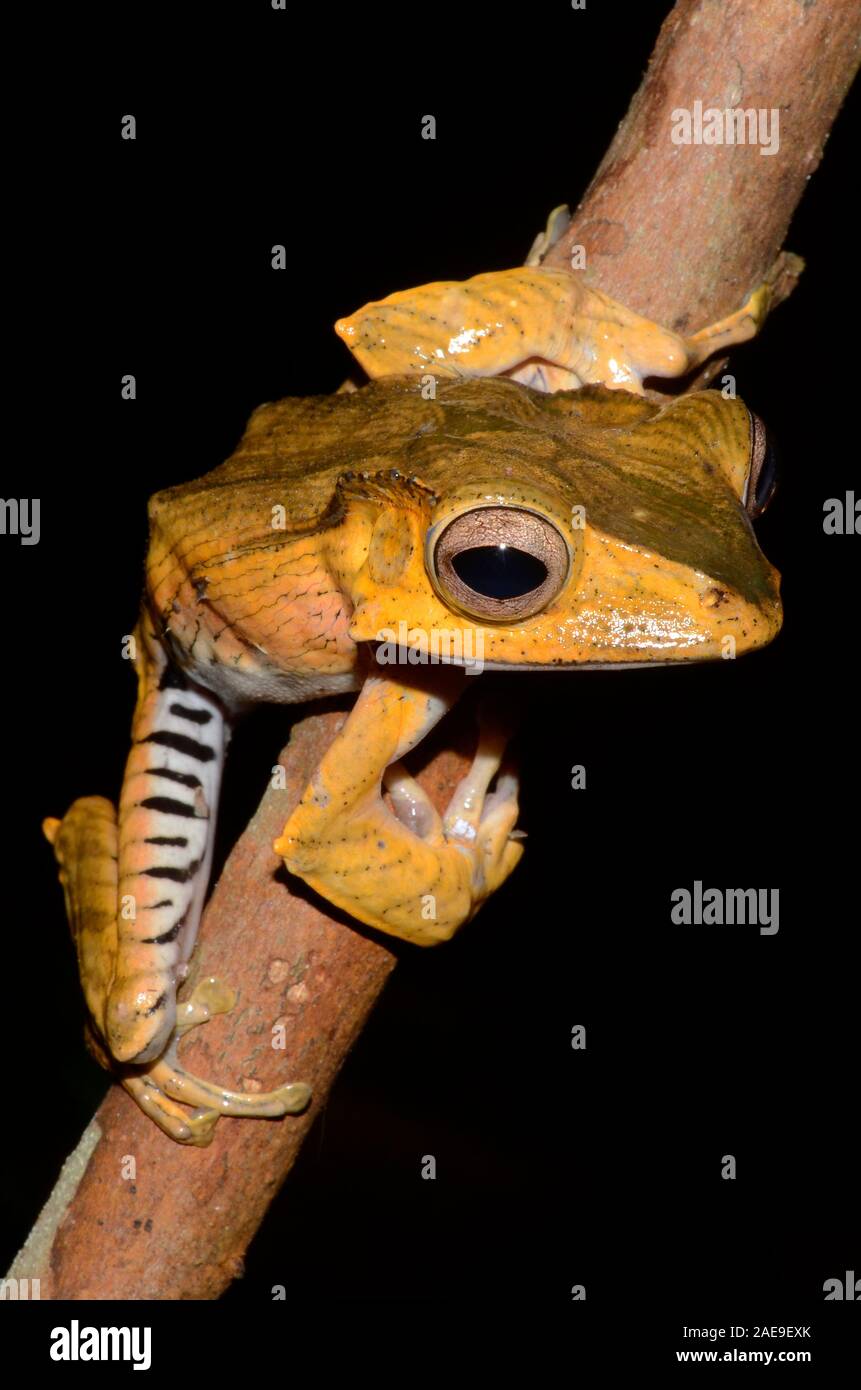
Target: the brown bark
pixel 679 234
pixel 682 233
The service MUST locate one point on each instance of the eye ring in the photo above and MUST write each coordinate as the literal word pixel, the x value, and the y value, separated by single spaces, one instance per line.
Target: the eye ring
pixel 498 563
pixel 764 470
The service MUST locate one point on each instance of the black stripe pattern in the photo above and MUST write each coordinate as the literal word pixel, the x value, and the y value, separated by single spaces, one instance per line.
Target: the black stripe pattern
pixel 181 743
pixel 194 716
pixel 170 807
pixel 187 740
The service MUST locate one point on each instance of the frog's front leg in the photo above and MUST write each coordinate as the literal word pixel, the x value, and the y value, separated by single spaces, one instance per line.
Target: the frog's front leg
pixel 406 871
pixel 542 326
pixel 608 344
pixel 134 894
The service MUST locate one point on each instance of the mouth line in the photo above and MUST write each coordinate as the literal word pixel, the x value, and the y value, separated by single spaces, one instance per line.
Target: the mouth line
pixel 424 658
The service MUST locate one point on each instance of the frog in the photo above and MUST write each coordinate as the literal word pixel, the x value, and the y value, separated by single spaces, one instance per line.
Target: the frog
pixel 362 543
pixel 546 327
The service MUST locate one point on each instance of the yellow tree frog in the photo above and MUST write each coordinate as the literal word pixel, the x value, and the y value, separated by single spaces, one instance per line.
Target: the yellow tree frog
pixel 581 528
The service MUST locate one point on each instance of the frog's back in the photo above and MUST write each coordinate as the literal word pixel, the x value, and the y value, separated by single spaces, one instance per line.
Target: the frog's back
pixel 294 450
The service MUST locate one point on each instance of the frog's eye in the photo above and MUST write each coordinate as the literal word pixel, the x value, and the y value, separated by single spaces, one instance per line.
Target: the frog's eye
pixel 763 472
pixel 498 563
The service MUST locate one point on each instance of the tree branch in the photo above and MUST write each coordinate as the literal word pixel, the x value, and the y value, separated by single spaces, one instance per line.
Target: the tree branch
pixel 682 233
pixel 679 233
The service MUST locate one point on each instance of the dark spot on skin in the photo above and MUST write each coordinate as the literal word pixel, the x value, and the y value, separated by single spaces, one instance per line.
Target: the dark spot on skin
pixel 159 1004
pixel 172 679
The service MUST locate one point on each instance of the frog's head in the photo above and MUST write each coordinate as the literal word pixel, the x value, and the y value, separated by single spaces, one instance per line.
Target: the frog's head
pixel 592 527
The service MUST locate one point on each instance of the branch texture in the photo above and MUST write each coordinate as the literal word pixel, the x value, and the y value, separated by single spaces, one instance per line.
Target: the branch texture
pixel 678 233
pixel 682 233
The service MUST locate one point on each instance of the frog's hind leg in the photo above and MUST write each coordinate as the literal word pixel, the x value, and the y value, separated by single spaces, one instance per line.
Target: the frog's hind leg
pixel 166 1081
pixel 737 327
pixel 135 887
pixel 167 816
pixel 85 844
pixel 86 847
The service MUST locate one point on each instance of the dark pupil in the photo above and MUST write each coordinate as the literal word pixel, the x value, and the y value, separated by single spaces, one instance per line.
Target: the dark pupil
pixel 499 571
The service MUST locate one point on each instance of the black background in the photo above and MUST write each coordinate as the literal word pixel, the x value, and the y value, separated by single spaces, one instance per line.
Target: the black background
pixel 555 1167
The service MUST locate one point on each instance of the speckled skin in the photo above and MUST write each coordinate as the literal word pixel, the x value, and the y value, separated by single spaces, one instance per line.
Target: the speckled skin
pixel 275 576
pixel 546 328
